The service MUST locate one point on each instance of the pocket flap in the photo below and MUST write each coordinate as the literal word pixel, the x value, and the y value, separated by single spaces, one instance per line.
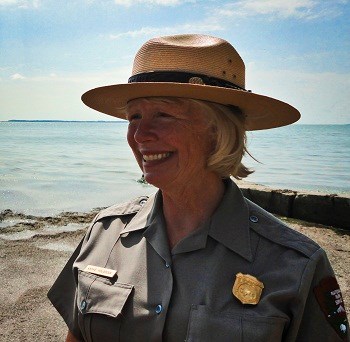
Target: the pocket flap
pixel 207 325
pixel 100 295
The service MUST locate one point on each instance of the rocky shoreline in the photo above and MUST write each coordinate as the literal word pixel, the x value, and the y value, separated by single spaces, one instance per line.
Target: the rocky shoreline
pixel 328 209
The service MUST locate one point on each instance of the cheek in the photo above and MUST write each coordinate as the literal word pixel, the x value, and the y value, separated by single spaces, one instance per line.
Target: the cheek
pixel 201 147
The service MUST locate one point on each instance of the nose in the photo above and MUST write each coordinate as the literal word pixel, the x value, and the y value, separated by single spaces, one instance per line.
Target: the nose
pixel 144 132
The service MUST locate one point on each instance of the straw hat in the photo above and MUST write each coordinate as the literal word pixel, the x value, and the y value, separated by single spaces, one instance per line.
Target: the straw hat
pixel 192 66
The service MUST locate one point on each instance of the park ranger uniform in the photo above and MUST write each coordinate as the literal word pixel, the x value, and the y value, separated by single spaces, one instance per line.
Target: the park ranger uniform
pixel 124 284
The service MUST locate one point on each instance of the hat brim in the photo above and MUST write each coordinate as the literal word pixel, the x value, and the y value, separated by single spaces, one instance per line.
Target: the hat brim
pixel 261 112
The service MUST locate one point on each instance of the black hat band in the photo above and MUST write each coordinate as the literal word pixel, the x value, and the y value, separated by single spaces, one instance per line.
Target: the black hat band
pixel 182 77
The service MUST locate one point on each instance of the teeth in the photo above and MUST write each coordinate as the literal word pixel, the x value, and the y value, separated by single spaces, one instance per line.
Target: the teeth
pixel 159 156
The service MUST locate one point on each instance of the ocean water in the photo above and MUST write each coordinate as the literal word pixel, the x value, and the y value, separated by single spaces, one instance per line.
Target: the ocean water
pixel 302 157
pixel 49 167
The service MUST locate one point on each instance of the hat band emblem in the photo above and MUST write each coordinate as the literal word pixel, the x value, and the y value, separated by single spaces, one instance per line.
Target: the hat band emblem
pixel 183 77
pixel 195 80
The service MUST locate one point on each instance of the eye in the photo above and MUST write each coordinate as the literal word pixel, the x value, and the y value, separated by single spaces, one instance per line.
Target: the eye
pixel 164 115
pixel 134 116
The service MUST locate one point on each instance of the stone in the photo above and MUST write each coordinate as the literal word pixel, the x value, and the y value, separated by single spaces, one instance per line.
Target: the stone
pixel 314 208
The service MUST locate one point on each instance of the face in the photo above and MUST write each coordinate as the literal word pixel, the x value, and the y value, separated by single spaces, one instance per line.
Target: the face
pixel 170 141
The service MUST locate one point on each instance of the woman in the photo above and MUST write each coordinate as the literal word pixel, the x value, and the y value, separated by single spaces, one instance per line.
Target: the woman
pixel 196 261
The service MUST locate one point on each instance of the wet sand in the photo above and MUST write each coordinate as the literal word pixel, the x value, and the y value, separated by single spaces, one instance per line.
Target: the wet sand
pixel 33 250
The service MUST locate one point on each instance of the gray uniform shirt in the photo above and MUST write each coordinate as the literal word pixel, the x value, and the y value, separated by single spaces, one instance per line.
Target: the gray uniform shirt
pixel 186 294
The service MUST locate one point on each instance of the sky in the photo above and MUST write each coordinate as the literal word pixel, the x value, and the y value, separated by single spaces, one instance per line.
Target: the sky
pixel 51 52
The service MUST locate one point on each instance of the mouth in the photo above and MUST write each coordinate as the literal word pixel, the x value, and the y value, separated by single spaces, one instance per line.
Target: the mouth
pixel 156 157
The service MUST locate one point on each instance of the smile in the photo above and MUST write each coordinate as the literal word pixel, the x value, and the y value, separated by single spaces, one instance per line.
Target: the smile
pixel 152 157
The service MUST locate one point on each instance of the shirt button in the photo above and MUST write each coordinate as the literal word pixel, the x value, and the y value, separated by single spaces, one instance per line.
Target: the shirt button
pixel 83 305
pixel 143 201
pixel 159 309
pixel 253 219
pixel 167 265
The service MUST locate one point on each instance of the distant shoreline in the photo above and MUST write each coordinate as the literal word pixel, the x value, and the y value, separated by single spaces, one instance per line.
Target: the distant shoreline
pixel 102 121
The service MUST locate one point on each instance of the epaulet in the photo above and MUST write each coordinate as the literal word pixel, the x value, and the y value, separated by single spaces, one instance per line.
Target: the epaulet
pixel 126 208
pixel 273 229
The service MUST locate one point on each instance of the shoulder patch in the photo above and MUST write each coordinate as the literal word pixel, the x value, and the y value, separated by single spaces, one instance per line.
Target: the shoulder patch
pixel 273 229
pixel 331 302
pixel 127 208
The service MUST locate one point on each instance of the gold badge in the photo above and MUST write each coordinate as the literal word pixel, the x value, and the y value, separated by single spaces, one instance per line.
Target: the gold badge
pixel 247 289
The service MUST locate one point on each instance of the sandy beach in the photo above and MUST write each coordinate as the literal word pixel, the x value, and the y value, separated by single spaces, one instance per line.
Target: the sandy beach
pixel 33 250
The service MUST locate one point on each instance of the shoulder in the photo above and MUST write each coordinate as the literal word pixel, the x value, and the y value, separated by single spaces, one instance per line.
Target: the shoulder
pixel 109 222
pixel 271 228
pixel 129 208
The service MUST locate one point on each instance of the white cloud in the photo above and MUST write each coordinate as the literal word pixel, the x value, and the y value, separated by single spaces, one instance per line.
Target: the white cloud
pixel 281 7
pixel 301 9
pixel 17 77
pixel 20 3
pixel 129 3
pixel 7 2
pixel 144 31
pixel 200 27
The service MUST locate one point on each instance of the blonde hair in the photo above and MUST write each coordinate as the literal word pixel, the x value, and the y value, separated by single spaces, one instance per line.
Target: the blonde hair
pixel 227 131
pixel 229 137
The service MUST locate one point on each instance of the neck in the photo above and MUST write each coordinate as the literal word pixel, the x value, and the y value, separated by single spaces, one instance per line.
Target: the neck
pixel 187 208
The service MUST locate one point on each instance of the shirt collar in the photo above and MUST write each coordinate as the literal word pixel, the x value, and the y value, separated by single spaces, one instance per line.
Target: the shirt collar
pixel 144 216
pixel 230 222
pixel 194 241
pixel 229 225
pixel 150 217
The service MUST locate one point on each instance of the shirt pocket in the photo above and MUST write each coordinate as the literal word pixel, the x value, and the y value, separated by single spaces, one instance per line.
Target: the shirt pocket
pixel 100 303
pixel 207 325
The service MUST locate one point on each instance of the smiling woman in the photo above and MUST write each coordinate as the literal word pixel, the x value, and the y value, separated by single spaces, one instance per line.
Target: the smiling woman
pixel 196 261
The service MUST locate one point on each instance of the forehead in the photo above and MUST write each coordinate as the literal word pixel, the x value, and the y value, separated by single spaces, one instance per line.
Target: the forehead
pixel 181 108
pixel 159 102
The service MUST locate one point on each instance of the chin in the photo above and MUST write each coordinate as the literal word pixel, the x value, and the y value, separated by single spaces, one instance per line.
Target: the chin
pixel 158 182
